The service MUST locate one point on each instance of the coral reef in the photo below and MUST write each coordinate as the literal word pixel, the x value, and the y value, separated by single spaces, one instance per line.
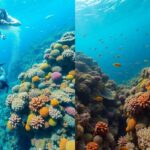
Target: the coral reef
pixel 39 103
pixel 136 108
pixel 97 106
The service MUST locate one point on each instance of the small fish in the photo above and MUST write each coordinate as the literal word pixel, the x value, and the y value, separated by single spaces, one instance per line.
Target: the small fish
pixel 117 65
pixel 48 17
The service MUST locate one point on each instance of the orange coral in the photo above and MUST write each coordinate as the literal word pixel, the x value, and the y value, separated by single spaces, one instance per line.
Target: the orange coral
pixel 27 127
pixel 44 111
pixel 101 128
pixel 35 79
pixel 123 148
pixel 72 72
pixel 62 144
pixel 131 123
pixel 54 102
pixel 9 126
pixel 92 146
pixel 38 102
pixel 144 100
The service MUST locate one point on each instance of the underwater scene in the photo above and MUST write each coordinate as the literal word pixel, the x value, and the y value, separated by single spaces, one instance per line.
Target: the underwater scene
pixel 112 74
pixel 37 71
pixel 74 75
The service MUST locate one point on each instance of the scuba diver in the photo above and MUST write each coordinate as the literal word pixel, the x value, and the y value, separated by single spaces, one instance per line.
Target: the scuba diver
pixel 6 19
pixel 3 80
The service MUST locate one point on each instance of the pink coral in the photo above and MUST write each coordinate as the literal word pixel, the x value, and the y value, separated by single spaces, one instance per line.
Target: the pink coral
pixel 15 120
pixel 56 76
pixel 37 102
pixel 37 122
pixel 71 111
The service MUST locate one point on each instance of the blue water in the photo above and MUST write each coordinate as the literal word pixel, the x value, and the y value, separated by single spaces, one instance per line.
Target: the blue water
pixel 115 31
pixel 40 20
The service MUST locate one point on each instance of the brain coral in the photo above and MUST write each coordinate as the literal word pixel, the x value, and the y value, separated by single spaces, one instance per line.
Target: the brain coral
pixel 14 120
pixel 37 122
pixel 101 128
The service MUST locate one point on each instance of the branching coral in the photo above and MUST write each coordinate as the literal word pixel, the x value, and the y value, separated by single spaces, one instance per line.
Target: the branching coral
pixel 14 121
pixel 37 122
pixel 37 102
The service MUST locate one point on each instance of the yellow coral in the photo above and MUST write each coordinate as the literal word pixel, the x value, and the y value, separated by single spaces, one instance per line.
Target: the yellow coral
pixel 59 58
pixel 44 111
pixel 70 145
pixel 72 72
pixel 44 66
pixel 30 118
pixel 48 76
pixel 9 126
pixel 52 122
pixel 54 102
pixel 63 85
pixel 35 79
pixel 65 47
pixel 27 127
pixel 69 77
pixel 131 123
pixel 62 144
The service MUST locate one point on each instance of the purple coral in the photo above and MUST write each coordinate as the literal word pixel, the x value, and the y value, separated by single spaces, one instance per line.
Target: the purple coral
pixel 56 76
